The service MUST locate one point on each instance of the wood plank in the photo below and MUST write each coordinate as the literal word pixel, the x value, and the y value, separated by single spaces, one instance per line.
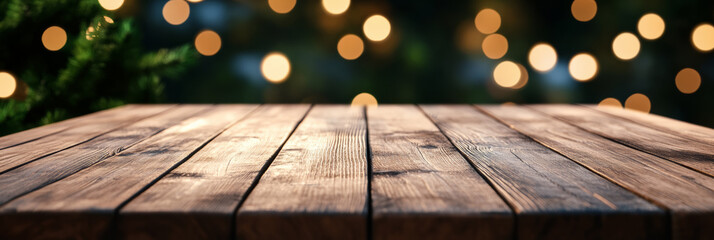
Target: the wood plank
pixel 198 199
pixel 54 167
pixel 553 197
pixel 82 205
pixel 317 185
pixel 422 188
pixel 688 194
pixel 93 127
pixel 694 154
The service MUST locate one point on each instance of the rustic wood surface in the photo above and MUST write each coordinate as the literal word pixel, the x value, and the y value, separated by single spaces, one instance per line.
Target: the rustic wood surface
pixel 342 172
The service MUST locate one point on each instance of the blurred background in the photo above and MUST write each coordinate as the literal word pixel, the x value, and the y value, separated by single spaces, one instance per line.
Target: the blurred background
pixel 64 58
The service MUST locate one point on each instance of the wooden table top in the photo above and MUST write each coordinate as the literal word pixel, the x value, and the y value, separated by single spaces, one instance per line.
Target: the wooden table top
pixel 341 172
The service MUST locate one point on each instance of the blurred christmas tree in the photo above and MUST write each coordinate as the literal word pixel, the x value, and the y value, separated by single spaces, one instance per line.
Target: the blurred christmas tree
pixel 101 65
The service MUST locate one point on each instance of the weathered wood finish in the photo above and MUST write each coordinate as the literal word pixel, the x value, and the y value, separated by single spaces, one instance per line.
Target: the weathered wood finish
pixel 422 188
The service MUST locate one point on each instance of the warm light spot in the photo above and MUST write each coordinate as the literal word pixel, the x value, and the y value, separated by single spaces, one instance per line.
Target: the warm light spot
pixel 376 28
pixel 350 47
pixel 7 85
pixel 364 99
pixel 335 6
pixel 487 21
pixel 195 1
pixel 638 102
pixel 176 11
pixel 626 46
pixel 495 46
pixel 108 19
pixel 275 67
pixel 89 34
pixel 54 38
pixel 650 26
pixel 282 6
pixel 506 74
pixel 583 67
pixel 583 10
pixel 688 80
pixel 208 43
pixel 111 5
pixel 523 80
pixel 703 37
pixel 542 57
pixel 609 102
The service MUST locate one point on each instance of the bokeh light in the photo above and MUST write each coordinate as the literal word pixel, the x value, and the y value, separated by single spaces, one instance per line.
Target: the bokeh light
pixel 650 26
pixel 208 43
pixel 282 6
pixel 688 80
pixel 54 38
pixel 523 80
pixel 494 46
pixel 8 84
pixel 111 5
pixel 195 1
pixel 542 57
pixel 275 67
pixel 583 67
pixel 89 34
pixel 703 37
pixel 487 21
pixel 336 6
pixel 364 99
pixel 108 19
pixel 507 74
pixel 350 47
pixel 376 28
pixel 176 11
pixel 626 46
pixel 583 10
pixel 638 102
pixel 609 102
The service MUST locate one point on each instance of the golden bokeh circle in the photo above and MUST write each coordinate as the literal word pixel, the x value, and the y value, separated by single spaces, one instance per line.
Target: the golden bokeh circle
pixel 208 43
pixel 626 46
pixel 583 67
pixel 688 80
pixel 523 80
pixel 651 26
pixel 350 47
pixel 487 21
pixel 638 102
pixel 364 99
pixel 111 5
pixel 583 10
pixel 176 11
pixel 609 102
pixel 376 28
pixel 275 67
pixel 54 38
pixel 282 6
pixel 703 37
pixel 542 57
pixel 507 74
pixel 8 85
pixel 494 46
pixel 336 6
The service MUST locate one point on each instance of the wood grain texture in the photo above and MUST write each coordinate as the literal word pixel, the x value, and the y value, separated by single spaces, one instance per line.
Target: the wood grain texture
pixel 93 127
pixel 553 197
pixel 316 188
pixel 49 169
pixel 694 154
pixel 688 194
pixel 82 205
pixel 422 188
pixel 198 199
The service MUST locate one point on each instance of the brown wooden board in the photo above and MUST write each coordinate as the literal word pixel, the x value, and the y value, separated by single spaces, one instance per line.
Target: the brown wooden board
pixel 422 188
pixel 687 194
pixel 54 167
pixel 316 188
pixel 15 156
pixel 198 199
pixel 82 206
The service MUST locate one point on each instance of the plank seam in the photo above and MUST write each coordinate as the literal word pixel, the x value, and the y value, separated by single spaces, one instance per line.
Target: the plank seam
pixel 368 155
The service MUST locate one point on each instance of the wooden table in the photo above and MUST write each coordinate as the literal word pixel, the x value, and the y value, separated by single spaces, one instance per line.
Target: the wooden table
pixel 341 172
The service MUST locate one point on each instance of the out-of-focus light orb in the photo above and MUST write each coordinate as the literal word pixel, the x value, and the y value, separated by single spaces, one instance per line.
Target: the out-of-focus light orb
pixel 506 74
pixel 688 80
pixel 176 11
pixel 111 5
pixel 195 1
pixel 275 67
pixel 7 85
pixel 609 102
pixel 494 46
pixel 703 37
pixel 364 99
pixel 487 21
pixel 542 57
pixel 638 102
pixel 626 46
pixel 583 10
pixel 650 26
pixel 336 6
pixel 54 38
pixel 89 34
pixel 350 47
pixel 583 67
pixel 282 6
pixel 108 19
pixel 208 43
pixel 523 80
pixel 376 28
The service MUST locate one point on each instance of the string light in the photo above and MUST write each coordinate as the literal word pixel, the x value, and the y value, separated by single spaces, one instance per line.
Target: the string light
pixel 609 102
pixel 494 46
pixel 282 6
pixel 688 80
pixel 487 21
pixel 176 11
pixel 208 43
pixel 507 74
pixel 350 47
pixel 364 99
pixel 703 37
pixel 275 67
pixel 8 84
pixel 376 28
pixel 336 7
pixel 638 102
pixel 542 57
pixel 583 67
pixel 626 46
pixel 650 26
pixel 54 38
pixel 111 5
